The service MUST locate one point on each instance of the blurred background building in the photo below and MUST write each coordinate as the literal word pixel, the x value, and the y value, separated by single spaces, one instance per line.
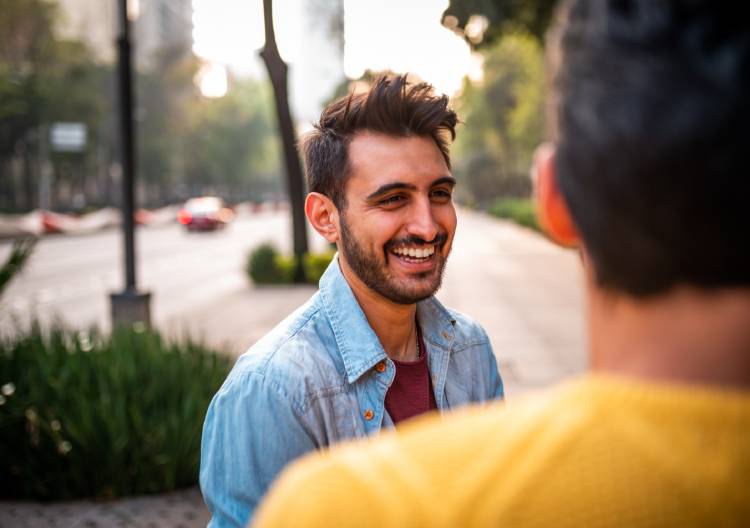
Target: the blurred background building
pixel 91 21
pixel 163 25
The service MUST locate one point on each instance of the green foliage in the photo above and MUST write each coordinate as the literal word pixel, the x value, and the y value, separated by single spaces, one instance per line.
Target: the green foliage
pixel 504 117
pixel 232 142
pixel 503 16
pixel 46 79
pixel 187 144
pixel 263 266
pixel 266 266
pixel 316 264
pixel 19 256
pixel 88 415
pixel 26 43
pixel 519 211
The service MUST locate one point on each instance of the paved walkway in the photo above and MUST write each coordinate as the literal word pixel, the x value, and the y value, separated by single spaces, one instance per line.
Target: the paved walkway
pixel 524 290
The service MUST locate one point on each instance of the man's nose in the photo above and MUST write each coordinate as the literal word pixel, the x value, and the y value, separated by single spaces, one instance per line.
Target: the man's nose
pixel 422 223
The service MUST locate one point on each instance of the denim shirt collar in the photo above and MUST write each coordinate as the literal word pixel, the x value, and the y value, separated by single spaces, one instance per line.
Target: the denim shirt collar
pixel 357 342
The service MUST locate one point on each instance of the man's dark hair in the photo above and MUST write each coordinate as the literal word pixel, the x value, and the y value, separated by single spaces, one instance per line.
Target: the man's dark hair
pixel 392 106
pixel 650 114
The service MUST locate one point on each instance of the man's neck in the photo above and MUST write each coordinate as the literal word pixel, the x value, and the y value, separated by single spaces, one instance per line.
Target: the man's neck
pixel 393 323
pixel 686 336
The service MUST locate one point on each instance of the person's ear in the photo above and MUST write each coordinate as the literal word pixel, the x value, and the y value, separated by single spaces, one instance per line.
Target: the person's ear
pixel 323 216
pixel 553 212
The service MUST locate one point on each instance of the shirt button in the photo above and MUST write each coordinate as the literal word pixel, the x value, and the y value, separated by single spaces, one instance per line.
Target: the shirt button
pixel 380 367
pixel 369 415
pixel 446 335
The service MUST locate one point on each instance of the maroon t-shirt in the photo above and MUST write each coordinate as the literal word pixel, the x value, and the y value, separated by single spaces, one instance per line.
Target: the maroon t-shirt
pixel 411 392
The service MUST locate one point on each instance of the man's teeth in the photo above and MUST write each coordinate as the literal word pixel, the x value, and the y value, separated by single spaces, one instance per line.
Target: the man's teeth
pixel 415 252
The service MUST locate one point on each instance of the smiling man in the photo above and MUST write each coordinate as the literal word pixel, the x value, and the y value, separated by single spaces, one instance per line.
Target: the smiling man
pixel 373 347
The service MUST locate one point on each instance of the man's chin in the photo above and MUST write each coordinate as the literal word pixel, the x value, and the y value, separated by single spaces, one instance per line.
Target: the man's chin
pixel 410 292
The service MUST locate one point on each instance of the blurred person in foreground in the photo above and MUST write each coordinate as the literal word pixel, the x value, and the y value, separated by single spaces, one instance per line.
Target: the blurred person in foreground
pixel 373 347
pixel 647 173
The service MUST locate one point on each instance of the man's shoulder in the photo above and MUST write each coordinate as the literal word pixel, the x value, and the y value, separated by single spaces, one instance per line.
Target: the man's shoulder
pixel 467 332
pixel 300 354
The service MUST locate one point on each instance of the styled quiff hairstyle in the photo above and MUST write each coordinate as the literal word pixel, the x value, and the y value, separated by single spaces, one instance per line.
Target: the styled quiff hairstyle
pixel 392 106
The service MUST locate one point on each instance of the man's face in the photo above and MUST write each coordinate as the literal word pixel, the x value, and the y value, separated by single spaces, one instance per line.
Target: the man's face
pixel 397 227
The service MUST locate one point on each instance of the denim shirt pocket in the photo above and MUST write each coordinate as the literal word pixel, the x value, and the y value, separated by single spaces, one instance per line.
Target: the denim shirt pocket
pixel 335 409
pixel 467 381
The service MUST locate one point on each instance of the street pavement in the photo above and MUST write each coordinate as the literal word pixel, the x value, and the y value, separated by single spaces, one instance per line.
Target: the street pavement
pixel 525 291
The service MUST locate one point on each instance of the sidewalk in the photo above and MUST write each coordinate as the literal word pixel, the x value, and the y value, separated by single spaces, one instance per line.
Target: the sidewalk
pixel 525 291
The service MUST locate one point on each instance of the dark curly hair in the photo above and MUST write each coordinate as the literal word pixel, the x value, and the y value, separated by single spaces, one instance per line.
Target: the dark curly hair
pixel 650 111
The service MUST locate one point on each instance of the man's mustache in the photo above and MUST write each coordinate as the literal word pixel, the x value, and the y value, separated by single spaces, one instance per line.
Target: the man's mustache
pixel 439 241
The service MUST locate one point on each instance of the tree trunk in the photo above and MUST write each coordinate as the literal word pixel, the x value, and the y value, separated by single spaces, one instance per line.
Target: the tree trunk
pixel 277 72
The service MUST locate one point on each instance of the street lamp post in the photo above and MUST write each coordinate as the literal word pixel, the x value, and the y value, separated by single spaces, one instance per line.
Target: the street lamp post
pixel 130 305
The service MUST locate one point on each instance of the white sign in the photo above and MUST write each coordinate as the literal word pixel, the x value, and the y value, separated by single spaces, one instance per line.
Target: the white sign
pixel 68 137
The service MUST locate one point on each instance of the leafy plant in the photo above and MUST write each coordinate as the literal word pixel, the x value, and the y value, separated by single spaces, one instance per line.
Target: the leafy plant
pixel 520 211
pixel 83 414
pixel 263 266
pixel 19 256
pixel 316 264
pixel 266 266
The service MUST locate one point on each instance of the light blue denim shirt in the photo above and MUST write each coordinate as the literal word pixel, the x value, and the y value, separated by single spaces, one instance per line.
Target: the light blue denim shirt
pixel 311 382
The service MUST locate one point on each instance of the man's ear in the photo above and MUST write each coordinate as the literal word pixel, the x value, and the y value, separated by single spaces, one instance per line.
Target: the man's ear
pixel 550 204
pixel 323 216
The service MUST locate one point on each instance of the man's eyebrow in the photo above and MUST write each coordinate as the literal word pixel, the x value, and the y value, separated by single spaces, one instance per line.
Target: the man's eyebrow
pixel 450 180
pixel 388 187
pixel 383 189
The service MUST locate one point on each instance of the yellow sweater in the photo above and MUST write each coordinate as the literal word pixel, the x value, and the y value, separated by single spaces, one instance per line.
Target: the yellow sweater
pixel 596 452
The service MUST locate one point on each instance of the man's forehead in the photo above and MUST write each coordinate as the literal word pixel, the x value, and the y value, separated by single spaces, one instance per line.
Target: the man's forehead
pixel 377 159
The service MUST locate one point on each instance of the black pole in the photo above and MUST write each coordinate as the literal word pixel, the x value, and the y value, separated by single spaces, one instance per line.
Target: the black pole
pixel 130 306
pixel 277 71
pixel 127 143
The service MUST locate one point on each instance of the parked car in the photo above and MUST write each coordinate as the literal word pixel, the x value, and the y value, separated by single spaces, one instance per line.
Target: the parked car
pixel 205 213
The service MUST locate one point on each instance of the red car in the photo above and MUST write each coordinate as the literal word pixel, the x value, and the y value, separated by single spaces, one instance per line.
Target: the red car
pixel 205 214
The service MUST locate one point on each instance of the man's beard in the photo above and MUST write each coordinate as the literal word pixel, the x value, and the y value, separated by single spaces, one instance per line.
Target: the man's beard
pixel 366 265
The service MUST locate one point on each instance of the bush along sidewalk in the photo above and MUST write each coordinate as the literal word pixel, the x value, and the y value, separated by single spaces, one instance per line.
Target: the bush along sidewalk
pixel 265 265
pixel 84 414
pixel 518 210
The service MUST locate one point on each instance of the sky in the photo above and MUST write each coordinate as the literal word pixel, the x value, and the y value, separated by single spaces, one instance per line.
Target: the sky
pixel 400 35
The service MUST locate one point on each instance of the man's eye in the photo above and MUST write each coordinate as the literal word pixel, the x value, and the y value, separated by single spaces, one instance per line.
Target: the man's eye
pixel 441 194
pixel 391 200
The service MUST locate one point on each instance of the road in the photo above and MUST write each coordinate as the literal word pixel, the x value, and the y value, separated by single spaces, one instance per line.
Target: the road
pixel 524 290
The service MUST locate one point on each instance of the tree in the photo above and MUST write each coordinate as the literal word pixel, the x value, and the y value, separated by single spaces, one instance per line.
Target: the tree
pixel 26 40
pixel 504 117
pixel 44 79
pixel 166 101
pixel 277 71
pixel 502 16
pixel 231 147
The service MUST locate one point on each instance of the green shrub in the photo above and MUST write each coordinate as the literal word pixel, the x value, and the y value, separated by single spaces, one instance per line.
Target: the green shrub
pixel 316 264
pixel 285 265
pixel 266 266
pixel 84 414
pixel 519 210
